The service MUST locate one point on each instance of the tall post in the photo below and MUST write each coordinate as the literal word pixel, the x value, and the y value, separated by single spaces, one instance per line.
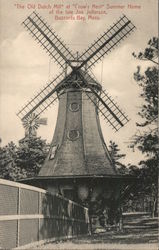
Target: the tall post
pixel 18 220
pixel 39 211
pixel 120 212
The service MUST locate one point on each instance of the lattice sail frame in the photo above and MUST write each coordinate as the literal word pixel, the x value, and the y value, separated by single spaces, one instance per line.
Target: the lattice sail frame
pixel 108 108
pixel 53 45
pixel 116 118
pixel 42 100
pixel 49 41
pixel 106 42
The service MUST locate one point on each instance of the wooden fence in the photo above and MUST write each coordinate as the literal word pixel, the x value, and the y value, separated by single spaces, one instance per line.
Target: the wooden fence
pixel 29 214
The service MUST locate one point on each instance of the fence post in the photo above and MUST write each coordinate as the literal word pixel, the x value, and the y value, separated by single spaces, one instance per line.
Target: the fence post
pixel 18 221
pixel 39 211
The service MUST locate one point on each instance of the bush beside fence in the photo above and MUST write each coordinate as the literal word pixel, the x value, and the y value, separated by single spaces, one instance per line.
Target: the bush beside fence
pixel 29 214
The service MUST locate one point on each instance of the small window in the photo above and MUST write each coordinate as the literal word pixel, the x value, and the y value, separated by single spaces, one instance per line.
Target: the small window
pixel 73 135
pixel 53 152
pixel 74 107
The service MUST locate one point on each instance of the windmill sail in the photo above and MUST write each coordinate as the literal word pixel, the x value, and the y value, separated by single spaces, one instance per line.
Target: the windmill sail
pixel 81 75
pixel 45 97
pixel 108 41
pixel 48 39
pixel 42 100
pixel 107 107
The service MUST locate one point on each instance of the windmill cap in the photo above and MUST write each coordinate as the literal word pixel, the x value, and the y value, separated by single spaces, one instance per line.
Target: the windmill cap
pixel 73 80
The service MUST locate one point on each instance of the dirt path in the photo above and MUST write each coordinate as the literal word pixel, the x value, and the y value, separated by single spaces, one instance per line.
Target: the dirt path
pixel 71 246
pixel 128 240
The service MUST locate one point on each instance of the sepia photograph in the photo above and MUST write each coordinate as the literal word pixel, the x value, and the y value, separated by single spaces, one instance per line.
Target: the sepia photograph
pixel 78 124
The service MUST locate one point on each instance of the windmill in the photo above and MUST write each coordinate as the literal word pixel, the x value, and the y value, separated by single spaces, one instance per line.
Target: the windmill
pixel 78 164
pixel 31 123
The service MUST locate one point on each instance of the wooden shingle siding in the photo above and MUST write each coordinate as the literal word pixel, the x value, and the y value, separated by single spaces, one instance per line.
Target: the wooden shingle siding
pixel 85 154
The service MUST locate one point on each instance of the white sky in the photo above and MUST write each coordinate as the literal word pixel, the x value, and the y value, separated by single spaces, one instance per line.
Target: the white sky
pixel 24 66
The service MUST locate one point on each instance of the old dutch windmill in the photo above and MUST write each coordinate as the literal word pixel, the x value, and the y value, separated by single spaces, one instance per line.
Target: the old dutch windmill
pixel 78 164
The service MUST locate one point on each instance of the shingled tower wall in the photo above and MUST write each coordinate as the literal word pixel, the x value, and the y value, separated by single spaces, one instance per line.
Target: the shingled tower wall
pixel 78 147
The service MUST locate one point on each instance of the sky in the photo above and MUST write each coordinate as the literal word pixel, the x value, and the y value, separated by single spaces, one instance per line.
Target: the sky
pixel 25 67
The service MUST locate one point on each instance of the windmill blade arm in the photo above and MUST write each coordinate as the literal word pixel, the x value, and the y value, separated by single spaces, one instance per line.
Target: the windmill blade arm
pixel 42 105
pixel 42 100
pixel 110 39
pixel 106 106
pixel 110 110
pixel 44 35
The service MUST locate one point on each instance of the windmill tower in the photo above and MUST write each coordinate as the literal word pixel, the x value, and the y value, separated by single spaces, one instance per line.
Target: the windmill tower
pixel 78 164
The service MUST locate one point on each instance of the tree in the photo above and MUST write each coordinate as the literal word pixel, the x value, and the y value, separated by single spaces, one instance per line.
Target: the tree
pixel 31 155
pixel 150 53
pixel 147 140
pixel 8 167
pixel 25 160
pixel 116 156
